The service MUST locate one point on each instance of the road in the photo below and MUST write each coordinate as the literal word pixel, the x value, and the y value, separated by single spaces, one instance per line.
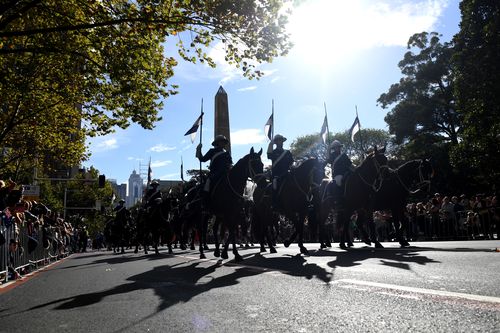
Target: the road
pixel 429 287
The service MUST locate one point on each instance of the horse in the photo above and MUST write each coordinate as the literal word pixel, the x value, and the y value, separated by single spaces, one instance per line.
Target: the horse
pixel 358 187
pixel 227 200
pixel 157 223
pixel 395 189
pixel 294 197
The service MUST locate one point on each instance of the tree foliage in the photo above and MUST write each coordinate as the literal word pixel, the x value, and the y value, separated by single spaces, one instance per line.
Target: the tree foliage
pixel 104 64
pixel 477 89
pixel 311 145
pixel 423 106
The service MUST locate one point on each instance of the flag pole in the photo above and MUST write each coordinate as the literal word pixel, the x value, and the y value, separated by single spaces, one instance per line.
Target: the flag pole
pixel 201 130
pixel 360 136
pixel 272 128
pixel 327 128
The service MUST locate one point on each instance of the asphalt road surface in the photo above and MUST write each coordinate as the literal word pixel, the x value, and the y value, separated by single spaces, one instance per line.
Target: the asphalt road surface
pixel 429 287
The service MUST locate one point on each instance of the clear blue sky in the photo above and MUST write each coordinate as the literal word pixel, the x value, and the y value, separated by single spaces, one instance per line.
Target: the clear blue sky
pixel 346 54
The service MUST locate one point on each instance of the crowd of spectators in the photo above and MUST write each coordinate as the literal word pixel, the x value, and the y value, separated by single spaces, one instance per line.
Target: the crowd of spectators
pixel 31 234
pixel 447 218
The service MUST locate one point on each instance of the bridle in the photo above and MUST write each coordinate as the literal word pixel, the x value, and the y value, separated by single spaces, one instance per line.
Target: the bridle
pixel 378 179
pixel 422 180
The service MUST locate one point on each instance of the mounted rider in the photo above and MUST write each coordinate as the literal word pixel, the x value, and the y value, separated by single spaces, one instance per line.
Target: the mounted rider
pixel 282 160
pixel 220 163
pixel 121 212
pixel 341 166
pixel 152 194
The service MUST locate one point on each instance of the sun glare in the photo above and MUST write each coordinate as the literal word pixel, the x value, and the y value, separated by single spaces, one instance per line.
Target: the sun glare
pixel 329 33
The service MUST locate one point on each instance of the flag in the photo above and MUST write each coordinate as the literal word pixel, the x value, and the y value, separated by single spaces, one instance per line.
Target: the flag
pixel 268 128
pixel 150 171
pixel 194 129
pixel 324 130
pixel 356 126
pixel 182 170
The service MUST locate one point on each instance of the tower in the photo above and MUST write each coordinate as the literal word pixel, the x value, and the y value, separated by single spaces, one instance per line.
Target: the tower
pixel 222 116
pixel 135 189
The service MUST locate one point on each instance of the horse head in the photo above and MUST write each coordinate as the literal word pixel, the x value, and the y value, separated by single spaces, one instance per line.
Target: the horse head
pixel 373 169
pixel 255 165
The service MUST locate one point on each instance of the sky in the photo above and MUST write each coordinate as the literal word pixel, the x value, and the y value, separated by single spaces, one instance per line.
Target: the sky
pixel 345 56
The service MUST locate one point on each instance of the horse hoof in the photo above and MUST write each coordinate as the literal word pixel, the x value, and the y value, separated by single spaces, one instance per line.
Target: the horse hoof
pixel 224 255
pixel 192 247
pixel 350 244
pixel 170 251
pixel 183 247
pixel 217 253
pixel 322 246
pixel 206 248
pixel 286 243
pixel 263 249
pixel 238 258
pixel 328 244
pixel 272 250
pixel 303 250
pixel 404 244
pixel 202 256
pixel 135 251
pixel 378 245
pixel 342 246
pixel 367 242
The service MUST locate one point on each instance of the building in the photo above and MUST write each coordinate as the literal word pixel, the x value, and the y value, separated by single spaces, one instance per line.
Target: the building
pixel 120 191
pixel 135 189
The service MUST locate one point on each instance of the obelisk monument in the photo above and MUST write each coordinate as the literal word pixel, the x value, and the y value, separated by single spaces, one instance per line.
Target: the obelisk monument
pixel 222 116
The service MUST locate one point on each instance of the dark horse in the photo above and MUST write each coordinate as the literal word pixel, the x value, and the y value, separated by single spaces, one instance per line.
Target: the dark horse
pixel 358 189
pixel 227 200
pixel 396 188
pixel 294 198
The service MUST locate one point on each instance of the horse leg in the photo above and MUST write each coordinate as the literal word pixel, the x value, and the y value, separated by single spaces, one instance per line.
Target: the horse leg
pixel 270 240
pixel 193 238
pixel 300 229
pixel 215 230
pixel 397 218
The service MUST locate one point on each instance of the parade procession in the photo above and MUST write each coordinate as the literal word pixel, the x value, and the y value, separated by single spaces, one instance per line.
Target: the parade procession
pixel 343 177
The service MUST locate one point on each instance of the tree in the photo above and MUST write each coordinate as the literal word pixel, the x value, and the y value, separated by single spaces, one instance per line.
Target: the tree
pixel 476 64
pixel 423 106
pixel 109 56
pixel 104 64
pixel 311 145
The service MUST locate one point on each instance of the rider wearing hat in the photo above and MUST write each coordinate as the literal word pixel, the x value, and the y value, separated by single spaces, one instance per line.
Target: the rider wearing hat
pixel 121 212
pixel 220 161
pixel 152 194
pixel 282 160
pixel 341 163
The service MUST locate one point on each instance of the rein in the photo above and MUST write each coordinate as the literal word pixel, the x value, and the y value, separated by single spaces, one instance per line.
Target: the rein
pixel 378 177
pixel 420 184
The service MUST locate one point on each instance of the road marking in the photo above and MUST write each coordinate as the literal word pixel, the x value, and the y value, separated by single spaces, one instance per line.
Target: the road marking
pixel 444 293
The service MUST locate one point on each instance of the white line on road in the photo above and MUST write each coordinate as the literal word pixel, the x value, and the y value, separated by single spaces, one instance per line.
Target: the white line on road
pixel 444 293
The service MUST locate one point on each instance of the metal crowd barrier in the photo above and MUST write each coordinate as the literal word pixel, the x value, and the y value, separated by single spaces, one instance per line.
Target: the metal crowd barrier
pixel 27 257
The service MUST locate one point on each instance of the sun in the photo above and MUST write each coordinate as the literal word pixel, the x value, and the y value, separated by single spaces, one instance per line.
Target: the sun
pixel 327 33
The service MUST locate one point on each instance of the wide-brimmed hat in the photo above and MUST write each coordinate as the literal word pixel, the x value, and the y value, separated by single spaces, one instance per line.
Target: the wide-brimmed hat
pixel 279 138
pixel 155 183
pixel 121 201
pixel 336 143
pixel 219 138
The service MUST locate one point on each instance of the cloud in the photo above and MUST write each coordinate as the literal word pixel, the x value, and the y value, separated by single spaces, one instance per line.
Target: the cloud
pixel 108 144
pixel 160 148
pixel 131 158
pixel 325 29
pixel 157 164
pixel 248 88
pixel 247 136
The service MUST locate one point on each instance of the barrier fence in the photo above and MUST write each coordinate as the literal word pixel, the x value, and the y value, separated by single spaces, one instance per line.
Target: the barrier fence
pixel 29 253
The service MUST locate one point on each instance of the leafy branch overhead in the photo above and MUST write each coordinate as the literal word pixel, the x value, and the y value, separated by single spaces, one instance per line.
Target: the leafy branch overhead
pixel 111 56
